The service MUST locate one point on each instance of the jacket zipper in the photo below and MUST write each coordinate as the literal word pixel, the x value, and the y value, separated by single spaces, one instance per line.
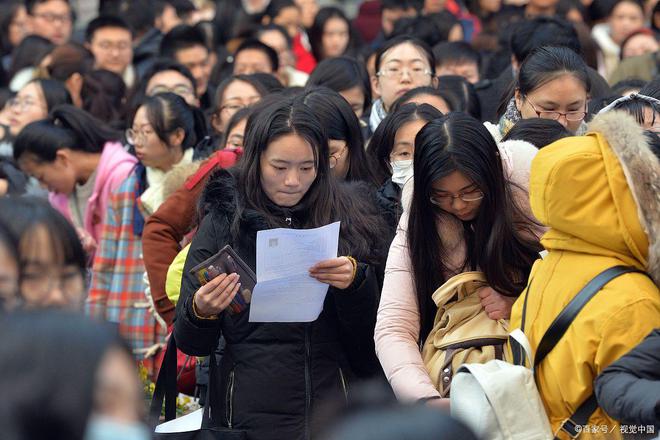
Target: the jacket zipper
pixel 344 384
pixel 229 400
pixel 308 379
pixel 288 221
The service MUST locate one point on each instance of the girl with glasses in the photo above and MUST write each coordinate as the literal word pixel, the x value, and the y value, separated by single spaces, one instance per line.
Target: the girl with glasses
pixel 165 130
pixel 467 213
pixel 552 84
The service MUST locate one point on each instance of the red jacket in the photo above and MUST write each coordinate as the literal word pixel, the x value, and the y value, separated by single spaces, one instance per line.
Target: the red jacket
pixel 166 228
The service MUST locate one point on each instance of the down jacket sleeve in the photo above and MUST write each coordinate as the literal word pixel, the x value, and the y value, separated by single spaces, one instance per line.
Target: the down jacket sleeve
pixel 629 389
pixel 397 326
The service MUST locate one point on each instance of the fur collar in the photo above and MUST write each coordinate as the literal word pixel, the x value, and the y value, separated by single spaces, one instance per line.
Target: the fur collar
pixel 642 170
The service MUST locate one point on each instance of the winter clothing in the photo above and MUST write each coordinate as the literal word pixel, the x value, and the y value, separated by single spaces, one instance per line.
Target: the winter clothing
pixel 114 167
pixel 165 229
pixel 146 51
pixel 629 389
pixel 644 67
pixel 118 284
pixel 273 373
pixel 377 114
pixel 16 179
pixel 598 194
pixel 611 51
pixel 398 325
pixel 389 201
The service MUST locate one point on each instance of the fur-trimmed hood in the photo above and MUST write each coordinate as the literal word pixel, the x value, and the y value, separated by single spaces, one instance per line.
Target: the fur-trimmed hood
pixel 600 193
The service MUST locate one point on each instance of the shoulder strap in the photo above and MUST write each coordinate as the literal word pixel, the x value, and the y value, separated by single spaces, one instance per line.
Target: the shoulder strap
pixel 559 326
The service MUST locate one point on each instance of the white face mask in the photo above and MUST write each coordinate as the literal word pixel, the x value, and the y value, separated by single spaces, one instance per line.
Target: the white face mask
pixel 402 170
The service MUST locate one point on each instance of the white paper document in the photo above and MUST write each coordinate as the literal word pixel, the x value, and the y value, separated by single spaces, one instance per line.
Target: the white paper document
pixel 285 292
pixel 187 423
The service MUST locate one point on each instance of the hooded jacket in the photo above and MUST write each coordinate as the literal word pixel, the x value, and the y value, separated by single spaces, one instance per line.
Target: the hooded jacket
pixel 600 196
pixel 272 374
pixel 114 167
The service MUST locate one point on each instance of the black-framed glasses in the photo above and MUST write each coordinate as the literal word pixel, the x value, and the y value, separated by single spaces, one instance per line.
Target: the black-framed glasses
pixel 555 115
pixel 447 199
pixel 334 158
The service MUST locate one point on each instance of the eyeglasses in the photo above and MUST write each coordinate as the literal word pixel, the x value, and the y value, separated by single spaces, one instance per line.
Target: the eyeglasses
pixel 334 158
pixel 108 46
pixel 21 104
pixel 180 90
pixel 51 18
pixel 447 199
pixel 554 115
pixel 417 73
pixel 39 284
pixel 135 136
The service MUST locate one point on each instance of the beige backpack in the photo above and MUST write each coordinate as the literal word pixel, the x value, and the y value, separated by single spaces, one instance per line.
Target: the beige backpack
pixel 462 332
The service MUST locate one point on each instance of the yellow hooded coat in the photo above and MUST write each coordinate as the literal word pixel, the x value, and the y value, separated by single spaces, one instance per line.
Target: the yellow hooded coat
pixel 600 196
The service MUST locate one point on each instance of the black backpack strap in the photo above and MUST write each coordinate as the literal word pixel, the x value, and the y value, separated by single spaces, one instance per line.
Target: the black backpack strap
pixel 166 388
pixel 558 328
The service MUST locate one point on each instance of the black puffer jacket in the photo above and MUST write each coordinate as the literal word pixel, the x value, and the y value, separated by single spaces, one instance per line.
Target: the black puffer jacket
pixel 273 374
pixel 629 389
pixel 389 202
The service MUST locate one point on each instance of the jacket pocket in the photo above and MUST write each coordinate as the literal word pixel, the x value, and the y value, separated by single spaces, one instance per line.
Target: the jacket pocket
pixel 229 399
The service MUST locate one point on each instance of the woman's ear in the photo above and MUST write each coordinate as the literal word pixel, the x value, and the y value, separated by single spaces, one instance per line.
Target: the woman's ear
pixel 434 82
pixel 63 158
pixel 177 137
pixel 216 123
pixel 375 84
pixel 518 97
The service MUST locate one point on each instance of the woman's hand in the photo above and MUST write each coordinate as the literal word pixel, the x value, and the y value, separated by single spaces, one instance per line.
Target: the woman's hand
pixel 87 241
pixel 216 295
pixel 496 305
pixel 442 403
pixel 337 272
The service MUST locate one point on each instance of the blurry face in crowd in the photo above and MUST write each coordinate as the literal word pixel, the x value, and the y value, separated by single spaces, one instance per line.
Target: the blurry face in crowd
pixel 433 6
pixel 172 81
pixel 449 191
pixel 404 140
pixel 339 158
pixel 46 280
pixel 19 27
pixel 456 33
pixel 276 41
pixel 335 37
pixel 432 100
pixel 626 18
pixel 118 398
pixel 355 97
pixel 469 71
pixel 237 95
pixel 563 94
pixel 490 6
pixel 290 19
pixel 535 7
pixel 308 11
pixel 252 61
pixel 236 135
pixel 288 169
pixel 402 68
pixel 8 279
pixel 639 45
pixel 27 106
pixel 390 16
pixel 52 20
pixel 150 149
pixel 198 60
pixel 168 20
pixel 112 49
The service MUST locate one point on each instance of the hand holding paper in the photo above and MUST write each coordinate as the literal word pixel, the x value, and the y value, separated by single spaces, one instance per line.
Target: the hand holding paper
pixel 337 272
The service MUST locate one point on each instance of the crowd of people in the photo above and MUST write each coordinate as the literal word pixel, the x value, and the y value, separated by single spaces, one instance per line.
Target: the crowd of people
pixel 515 143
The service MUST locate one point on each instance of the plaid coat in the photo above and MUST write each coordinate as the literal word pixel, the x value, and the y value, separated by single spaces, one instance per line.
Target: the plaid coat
pixel 118 287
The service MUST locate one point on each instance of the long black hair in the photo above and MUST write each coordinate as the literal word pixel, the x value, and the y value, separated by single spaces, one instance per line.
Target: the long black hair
pixel 54 92
pixel 340 74
pixel 326 200
pixel 341 124
pixel 318 29
pixel 382 141
pixel 65 127
pixel 494 242
pixel 168 112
